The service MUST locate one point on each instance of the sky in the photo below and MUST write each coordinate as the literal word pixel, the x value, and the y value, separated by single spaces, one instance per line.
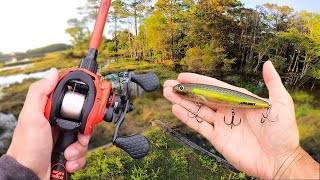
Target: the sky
pixel 29 24
pixel 298 5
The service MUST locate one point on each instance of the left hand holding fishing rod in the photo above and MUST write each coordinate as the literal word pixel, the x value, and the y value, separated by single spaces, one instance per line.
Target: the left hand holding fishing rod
pixel 33 137
pixel 266 150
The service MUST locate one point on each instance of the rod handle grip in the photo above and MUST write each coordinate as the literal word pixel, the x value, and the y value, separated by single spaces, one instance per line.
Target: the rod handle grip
pixel 58 161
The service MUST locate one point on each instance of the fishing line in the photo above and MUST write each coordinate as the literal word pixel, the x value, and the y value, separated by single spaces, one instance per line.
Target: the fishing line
pixel 72 105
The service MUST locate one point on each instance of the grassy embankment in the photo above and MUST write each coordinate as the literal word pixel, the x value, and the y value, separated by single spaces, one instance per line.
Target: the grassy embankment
pixel 57 60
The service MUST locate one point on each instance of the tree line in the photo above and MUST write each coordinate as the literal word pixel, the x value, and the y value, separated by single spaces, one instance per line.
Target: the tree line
pixel 33 53
pixel 209 36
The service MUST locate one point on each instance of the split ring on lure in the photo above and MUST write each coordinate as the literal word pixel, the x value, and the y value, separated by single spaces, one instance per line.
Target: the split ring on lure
pixel 218 96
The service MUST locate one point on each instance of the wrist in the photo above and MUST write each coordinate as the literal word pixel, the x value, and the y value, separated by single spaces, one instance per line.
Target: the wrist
pixel 299 165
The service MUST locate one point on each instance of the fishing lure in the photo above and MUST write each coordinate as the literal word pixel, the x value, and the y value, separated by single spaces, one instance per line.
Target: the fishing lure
pixel 213 95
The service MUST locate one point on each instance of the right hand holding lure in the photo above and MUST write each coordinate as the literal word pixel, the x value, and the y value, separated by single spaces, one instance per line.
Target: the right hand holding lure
pixel 218 96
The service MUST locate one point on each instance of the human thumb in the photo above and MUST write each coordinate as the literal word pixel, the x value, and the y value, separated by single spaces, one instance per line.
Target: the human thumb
pixel 273 81
pixel 40 90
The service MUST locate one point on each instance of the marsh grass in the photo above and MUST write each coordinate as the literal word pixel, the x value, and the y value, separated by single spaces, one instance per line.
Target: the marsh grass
pixel 57 60
pixel 17 63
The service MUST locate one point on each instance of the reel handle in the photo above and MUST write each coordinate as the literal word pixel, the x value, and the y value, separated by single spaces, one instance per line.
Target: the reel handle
pixel 137 146
pixel 58 161
pixel 149 81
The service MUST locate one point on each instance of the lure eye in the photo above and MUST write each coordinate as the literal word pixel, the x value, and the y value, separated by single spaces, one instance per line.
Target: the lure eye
pixel 181 88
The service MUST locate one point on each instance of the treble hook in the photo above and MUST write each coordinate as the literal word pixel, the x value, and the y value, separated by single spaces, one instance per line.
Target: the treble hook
pixel 264 117
pixel 197 113
pixel 232 120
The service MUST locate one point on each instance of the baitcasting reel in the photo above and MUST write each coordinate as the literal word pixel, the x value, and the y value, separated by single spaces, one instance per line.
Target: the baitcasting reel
pixel 82 99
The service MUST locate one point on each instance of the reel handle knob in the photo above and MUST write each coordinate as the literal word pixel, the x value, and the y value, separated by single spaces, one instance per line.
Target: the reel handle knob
pixel 137 146
pixel 149 82
pixel 58 161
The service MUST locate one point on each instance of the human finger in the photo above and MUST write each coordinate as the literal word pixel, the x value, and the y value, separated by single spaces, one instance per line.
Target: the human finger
pixel 77 149
pixel 170 83
pixel 204 128
pixel 84 139
pixel 76 165
pixel 39 91
pixel 273 82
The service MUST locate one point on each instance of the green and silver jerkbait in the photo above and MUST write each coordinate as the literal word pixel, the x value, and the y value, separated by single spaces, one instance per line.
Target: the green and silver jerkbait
pixel 213 95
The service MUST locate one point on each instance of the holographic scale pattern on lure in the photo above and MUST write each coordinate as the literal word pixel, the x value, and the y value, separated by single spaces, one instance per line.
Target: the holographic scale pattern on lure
pixel 214 95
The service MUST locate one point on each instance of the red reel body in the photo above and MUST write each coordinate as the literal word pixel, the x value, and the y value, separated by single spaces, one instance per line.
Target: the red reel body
pixel 103 92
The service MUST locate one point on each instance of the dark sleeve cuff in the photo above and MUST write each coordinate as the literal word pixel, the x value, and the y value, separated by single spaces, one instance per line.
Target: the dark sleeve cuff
pixel 10 169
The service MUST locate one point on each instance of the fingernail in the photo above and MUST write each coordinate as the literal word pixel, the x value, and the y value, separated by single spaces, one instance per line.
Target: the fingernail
pixel 49 73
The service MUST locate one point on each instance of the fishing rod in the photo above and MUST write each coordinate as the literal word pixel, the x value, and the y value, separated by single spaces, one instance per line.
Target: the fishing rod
pixel 82 99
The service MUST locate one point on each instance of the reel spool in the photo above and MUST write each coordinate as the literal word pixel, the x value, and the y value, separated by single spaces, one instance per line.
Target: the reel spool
pixel 72 105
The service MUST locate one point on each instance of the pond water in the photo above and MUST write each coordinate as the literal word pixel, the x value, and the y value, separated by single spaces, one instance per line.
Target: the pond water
pixel 18 78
